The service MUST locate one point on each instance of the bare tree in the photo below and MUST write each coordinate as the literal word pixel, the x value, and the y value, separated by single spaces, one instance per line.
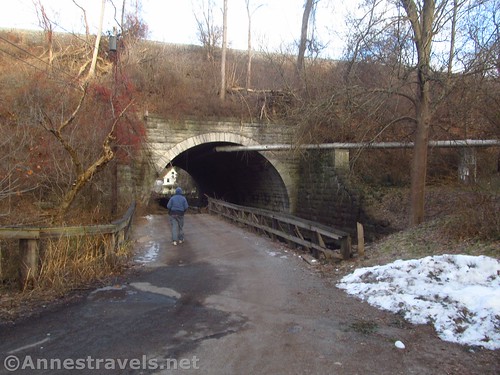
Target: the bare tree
pixel 85 21
pixel 422 20
pixel 83 173
pixel 132 25
pixel 46 24
pixel 97 42
pixel 249 45
pixel 222 93
pixel 384 39
pixel 453 37
pixel 122 20
pixel 209 33
pixel 15 164
pixel 306 16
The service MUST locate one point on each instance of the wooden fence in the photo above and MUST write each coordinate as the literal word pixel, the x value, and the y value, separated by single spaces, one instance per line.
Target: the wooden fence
pixel 317 238
pixel 114 235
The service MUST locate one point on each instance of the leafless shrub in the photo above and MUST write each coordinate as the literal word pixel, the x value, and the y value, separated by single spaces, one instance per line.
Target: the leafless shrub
pixel 477 216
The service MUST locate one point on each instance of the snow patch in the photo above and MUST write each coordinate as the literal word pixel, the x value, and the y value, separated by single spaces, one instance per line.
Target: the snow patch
pixel 458 294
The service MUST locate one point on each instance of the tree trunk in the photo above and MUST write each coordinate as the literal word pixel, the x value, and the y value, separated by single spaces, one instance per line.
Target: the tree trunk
pixel 97 42
pixel 82 179
pixel 122 22
pixel 453 36
pixel 420 151
pixel 249 48
pixel 422 25
pixel 303 35
pixel 222 93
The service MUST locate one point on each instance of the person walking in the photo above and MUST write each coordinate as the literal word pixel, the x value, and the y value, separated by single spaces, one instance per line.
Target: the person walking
pixel 177 206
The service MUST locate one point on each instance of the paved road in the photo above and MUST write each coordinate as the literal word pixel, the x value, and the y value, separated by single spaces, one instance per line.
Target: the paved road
pixel 225 302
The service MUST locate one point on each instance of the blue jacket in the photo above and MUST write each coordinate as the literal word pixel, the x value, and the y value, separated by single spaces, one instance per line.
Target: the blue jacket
pixel 178 204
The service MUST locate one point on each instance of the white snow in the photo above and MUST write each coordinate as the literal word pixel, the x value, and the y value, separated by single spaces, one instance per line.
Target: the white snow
pixel 458 294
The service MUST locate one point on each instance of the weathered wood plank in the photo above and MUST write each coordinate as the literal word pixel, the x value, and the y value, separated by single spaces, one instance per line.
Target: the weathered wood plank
pixel 54 232
pixel 28 267
pixel 302 223
pixel 16 233
pixel 307 244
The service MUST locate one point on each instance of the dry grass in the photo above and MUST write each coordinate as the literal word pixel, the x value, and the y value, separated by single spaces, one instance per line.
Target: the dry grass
pixel 67 264
pixel 460 219
pixel 424 240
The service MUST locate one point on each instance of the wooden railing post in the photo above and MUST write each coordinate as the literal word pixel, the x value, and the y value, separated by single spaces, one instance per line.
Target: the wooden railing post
pixel 29 256
pixel 345 248
pixel 361 240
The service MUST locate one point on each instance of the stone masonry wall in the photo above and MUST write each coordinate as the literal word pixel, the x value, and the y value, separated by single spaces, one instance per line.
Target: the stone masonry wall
pixel 169 138
pixel 316 189
pixel 323 196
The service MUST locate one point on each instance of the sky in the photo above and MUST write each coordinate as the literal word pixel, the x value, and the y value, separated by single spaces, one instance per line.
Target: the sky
pixel 458 294
pixel 276 23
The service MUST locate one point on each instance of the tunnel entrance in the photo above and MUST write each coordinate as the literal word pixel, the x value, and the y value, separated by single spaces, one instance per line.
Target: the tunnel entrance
pixel 244 178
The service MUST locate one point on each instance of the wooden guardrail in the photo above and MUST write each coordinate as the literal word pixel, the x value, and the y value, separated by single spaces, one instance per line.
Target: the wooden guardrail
pixel 318 238
pixel 114 235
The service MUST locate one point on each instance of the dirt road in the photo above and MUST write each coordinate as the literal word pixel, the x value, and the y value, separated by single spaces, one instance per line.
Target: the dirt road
pixel 226 302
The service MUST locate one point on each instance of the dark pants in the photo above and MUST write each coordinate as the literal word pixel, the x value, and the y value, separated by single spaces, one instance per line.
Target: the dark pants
pixel 177 224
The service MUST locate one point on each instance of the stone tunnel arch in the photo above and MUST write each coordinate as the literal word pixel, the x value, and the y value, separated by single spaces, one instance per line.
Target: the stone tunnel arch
pixel 272 199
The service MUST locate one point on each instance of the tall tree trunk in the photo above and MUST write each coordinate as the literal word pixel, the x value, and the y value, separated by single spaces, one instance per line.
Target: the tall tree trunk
pixel 420 151
pixel 422 25
pixel 97 42
pixel 249 48
pixel 303 35
pixel 222 93
pixel 122 22
pixel 453 36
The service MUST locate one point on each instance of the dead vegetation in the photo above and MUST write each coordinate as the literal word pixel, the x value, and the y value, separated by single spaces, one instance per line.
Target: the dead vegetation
pixel 460 220
pixel 177 82
pixel 67 265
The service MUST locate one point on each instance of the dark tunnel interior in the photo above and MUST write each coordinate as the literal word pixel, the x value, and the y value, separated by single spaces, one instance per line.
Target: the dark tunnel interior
pixel 243 178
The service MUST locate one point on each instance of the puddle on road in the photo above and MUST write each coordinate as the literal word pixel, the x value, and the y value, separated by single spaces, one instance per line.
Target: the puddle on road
pixel 150 255
pixel 111 293
pixel 114 293
pixel 147 287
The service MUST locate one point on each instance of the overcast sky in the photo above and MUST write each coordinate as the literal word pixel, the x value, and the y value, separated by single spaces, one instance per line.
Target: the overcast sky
pixel 275 23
